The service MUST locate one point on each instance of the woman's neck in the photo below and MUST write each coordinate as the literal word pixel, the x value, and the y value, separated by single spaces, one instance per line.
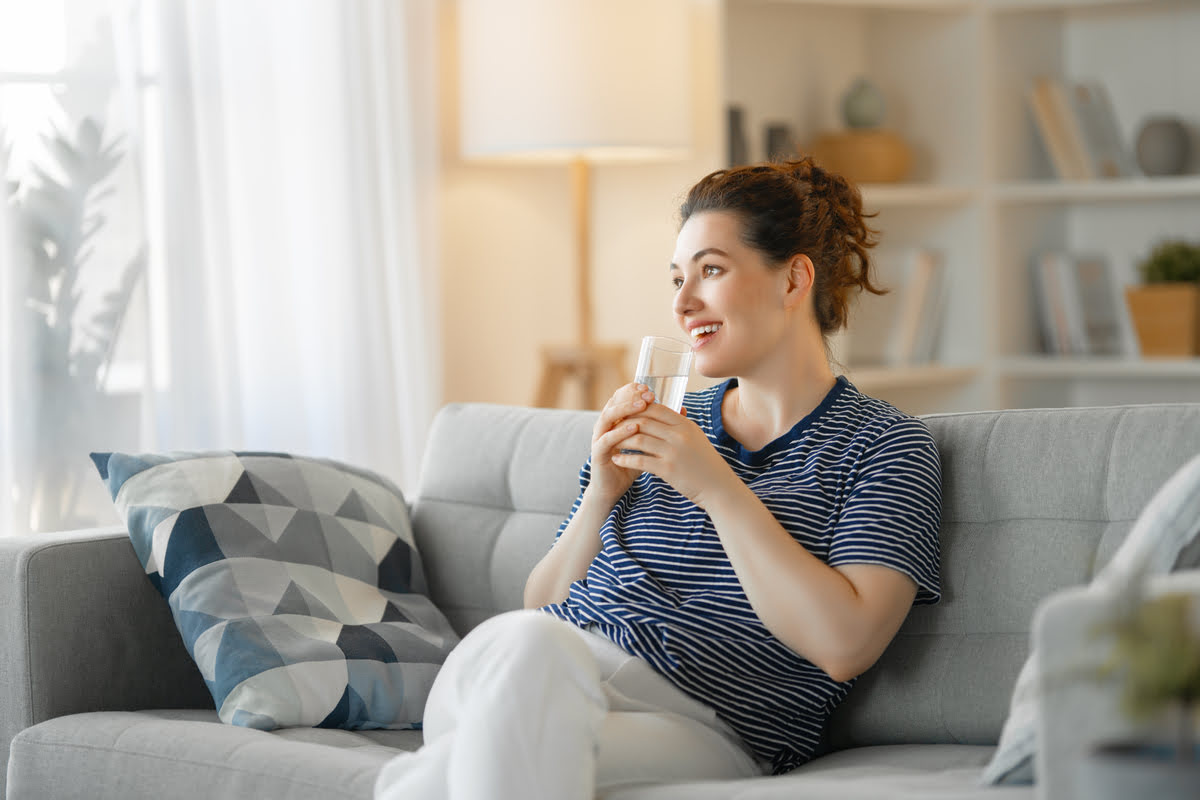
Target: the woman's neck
pixel 767 405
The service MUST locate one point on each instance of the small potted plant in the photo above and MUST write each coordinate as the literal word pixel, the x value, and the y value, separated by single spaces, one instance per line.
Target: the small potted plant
pixel 1166 307
pixel 1156 659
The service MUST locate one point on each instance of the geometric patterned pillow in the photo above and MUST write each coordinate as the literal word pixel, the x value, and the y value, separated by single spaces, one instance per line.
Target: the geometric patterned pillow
pixel 294 582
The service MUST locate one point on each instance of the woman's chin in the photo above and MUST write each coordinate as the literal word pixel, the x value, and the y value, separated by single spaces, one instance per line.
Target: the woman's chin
pixel 710 369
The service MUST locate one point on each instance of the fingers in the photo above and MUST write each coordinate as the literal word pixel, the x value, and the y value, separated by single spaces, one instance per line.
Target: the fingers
pixel 617 437
pixel 631 460
pixel 630 399
pixel 660 414
pixel 650 446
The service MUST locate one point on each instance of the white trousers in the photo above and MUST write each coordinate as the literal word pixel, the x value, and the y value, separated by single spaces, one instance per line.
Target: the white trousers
pixel 529 707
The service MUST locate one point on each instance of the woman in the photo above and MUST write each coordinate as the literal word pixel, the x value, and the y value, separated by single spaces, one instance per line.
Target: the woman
pixel 712 596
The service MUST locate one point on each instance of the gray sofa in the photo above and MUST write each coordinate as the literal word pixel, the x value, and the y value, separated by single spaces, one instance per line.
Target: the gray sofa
pixel 100 699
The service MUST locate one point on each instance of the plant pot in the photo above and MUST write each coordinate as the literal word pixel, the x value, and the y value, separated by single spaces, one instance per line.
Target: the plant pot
pixel 864 156
pixel 1138 771
pixel 1166 317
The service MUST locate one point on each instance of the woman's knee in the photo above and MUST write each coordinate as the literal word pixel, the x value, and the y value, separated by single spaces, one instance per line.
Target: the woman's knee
pixel 527 641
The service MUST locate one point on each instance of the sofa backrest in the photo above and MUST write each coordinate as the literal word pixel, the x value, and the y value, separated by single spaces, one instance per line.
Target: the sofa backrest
pixel 1033 501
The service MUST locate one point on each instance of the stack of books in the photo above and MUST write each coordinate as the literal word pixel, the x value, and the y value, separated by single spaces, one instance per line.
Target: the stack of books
pixel 1079 129
pixel 1081 309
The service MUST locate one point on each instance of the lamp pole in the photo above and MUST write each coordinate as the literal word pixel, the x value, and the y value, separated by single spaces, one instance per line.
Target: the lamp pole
pixel 598 368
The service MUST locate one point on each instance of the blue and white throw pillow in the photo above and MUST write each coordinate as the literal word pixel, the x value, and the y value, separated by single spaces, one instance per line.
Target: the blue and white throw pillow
pixel 294 582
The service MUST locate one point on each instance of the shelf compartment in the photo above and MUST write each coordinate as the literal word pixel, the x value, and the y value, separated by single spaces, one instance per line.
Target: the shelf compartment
pixel 1100 191
pixel 1082 368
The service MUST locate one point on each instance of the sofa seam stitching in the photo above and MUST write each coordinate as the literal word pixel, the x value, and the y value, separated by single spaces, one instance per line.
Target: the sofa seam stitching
pixel 1070 409
pixel 1108 507
pixel 987 446
pixel 473 504
pixel 1112 440
pixel 1035 518
pixel 173 759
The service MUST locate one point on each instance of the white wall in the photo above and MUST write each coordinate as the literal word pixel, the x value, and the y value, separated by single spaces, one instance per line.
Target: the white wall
pixel 506 243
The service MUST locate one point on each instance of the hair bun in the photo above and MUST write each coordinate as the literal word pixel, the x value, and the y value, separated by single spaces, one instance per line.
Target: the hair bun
pixel 798 207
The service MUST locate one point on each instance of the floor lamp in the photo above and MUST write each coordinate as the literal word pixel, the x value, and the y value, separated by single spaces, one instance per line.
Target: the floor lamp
pixel 577 82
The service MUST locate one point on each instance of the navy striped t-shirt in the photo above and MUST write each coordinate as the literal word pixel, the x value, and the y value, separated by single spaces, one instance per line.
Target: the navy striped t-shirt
pixel 855 482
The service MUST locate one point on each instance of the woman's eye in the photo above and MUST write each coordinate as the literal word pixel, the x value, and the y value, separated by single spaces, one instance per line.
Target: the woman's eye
pixel 677 282
pixel 710 271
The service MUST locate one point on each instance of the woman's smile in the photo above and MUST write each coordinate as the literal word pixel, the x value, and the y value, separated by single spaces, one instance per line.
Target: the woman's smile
pixel 702 333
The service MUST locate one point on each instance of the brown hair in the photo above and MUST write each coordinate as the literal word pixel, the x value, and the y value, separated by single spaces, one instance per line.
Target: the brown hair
pixel 789 208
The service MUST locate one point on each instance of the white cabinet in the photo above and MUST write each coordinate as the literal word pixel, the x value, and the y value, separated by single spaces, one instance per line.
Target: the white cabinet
pixel 955 75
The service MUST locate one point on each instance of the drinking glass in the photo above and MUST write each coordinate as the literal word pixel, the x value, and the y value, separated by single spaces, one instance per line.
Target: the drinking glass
pixel 663 365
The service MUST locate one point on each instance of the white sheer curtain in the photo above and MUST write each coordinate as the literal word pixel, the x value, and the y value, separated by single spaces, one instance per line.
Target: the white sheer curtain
pixel 291 305
pixel 11 449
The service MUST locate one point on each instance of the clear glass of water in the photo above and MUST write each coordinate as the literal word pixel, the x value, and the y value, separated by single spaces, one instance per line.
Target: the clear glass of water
pixel 663 365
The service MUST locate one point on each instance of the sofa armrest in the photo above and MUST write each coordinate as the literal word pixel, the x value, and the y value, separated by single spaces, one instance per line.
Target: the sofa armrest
pixel 83 629
pixel 1076 709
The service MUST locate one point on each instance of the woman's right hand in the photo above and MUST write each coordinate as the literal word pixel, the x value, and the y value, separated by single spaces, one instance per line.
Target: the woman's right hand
pixel 612 428
pixel 572 554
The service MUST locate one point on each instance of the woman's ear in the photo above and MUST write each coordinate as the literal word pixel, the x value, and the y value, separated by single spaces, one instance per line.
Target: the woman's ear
pixel 800 277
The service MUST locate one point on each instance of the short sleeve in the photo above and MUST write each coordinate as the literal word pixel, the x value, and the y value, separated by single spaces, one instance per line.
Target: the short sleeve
pixel 893 510
pixel 585 475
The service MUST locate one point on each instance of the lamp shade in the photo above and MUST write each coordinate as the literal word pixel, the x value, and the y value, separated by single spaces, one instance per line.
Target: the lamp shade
pixel 603 80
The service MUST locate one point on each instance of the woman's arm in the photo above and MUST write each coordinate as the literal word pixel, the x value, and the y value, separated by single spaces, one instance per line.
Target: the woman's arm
pixel 839 618
pixel 568 560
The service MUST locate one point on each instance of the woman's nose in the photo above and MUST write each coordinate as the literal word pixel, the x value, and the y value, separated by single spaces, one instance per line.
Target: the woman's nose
pixel 685 299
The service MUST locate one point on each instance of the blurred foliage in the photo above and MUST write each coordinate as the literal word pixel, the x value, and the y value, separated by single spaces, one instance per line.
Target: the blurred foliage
pixel 1172 261
pixel 1156 658
pixel 57 211
pixel 56 222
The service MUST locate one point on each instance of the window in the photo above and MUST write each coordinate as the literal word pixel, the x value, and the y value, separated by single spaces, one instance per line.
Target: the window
pixel 77 88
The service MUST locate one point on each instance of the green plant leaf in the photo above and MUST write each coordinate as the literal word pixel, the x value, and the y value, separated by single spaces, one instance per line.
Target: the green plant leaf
pixel 1156 654
pixel 1172 261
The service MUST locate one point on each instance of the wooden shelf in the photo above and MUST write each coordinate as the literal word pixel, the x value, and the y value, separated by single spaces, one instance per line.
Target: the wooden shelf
pixel 874 379
pixel 899 195
pixel 1100 191
pixel 1066 5
pixel 1096 367
pixel 898 5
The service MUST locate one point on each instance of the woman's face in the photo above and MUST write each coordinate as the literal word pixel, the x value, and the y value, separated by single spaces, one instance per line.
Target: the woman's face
pixel 728 300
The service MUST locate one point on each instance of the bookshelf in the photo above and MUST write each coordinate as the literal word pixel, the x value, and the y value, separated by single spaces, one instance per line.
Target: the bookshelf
pixel 956 76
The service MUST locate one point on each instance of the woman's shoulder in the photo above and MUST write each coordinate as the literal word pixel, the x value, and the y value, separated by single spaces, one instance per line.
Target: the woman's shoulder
pixel 700 403
pixel 871 419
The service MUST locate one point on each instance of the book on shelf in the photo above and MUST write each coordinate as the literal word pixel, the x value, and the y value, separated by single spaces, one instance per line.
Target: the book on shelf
pixel 1080 306
pixel 1106 150
pixel 1079 129
pixel 902 327
pixel 1059 128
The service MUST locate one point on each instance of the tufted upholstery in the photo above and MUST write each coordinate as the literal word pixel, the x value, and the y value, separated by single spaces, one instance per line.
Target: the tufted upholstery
pixel 1033 501
pixel 482 521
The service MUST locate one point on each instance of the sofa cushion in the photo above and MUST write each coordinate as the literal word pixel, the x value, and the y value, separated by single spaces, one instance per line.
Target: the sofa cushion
pixel 1165 536
pixel 293 581
pixel 146 755
pixel 895 772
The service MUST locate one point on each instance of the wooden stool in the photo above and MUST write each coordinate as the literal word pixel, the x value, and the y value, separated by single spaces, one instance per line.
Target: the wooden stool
pixel 599 368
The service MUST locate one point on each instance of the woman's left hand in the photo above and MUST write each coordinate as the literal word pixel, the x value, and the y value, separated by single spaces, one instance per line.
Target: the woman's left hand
pixel 675 449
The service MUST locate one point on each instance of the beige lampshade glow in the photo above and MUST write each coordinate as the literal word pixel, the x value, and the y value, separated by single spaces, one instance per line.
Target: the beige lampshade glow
pixel 603 80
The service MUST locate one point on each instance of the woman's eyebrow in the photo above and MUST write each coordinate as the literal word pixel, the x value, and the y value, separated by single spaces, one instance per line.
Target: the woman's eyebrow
pixel 701 254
